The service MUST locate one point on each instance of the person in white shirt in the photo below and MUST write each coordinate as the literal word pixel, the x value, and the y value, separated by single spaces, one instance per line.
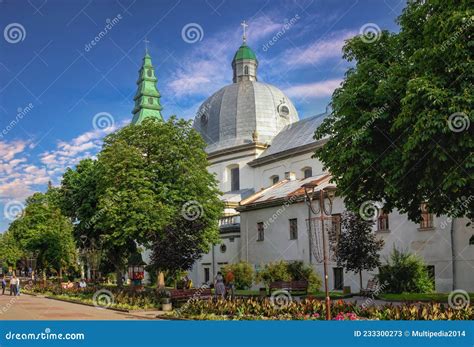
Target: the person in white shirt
pixel 13 285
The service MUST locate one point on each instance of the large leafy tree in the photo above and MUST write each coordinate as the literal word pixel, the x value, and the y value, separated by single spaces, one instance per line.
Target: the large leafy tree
pixel 358 247
pixel 44 230
pixel 11 252
pixel 158 193
pixel 400 129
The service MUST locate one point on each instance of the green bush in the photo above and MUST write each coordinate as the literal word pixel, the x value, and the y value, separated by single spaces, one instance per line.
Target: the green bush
pixel 272 272
pixel 405 273
pixel 299 271
pixel 243 274
pixel 289 271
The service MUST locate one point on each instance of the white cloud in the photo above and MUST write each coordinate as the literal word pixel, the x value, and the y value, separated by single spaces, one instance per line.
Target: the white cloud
pixel 318 51
pixel 314 90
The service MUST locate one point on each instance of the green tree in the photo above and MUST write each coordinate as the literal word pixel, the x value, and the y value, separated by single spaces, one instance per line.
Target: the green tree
pixel 358 246
pixel 42 228
pixel 400 128
pixel 11 252
pixel 405 273
pixel 158 193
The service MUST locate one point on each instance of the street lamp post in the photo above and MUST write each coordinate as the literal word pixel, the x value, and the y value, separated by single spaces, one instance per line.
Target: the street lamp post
pixel 325 212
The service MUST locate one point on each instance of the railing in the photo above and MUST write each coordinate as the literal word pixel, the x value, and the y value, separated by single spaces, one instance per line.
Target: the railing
pixel 228 220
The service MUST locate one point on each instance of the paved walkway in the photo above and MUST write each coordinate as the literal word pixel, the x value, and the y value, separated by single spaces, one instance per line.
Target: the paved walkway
pixel 27 307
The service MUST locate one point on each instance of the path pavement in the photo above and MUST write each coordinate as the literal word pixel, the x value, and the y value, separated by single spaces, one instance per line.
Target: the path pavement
pixel 27 307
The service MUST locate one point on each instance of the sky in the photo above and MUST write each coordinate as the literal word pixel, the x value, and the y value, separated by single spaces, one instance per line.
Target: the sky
pixel 68 68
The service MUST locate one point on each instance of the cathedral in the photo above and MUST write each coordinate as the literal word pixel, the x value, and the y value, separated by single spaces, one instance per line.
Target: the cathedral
pixel 261 153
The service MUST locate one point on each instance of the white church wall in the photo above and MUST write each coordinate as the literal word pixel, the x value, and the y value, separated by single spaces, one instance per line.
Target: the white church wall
pixel 465 254
pixel 294 164
pixel 432 245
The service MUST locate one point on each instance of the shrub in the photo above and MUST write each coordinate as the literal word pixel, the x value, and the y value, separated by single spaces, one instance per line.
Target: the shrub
pixel 243 274
pixel 272 272
pixel 299 271
pixel 405 273
pixel 289 271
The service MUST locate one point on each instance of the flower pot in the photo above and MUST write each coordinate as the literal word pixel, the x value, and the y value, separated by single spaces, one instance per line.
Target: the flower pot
pixel 165 301
pixel 166 307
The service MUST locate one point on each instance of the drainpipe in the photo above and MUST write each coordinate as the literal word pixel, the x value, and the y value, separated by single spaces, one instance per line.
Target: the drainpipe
pixel 453 254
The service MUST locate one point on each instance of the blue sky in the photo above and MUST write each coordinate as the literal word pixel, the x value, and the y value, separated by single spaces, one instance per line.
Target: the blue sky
pixel 59 94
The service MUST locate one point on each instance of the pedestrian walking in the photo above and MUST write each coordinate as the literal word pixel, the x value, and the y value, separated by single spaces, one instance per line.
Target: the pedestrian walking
pixel 4 285
pixel 219 285
pixel 13 285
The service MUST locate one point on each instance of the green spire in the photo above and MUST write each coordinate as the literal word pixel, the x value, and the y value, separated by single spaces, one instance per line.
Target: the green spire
pixel 147 98
pixel 244 52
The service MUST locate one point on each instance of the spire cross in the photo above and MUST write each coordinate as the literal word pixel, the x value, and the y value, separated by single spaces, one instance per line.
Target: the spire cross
pixel 146 44
pixel 244 25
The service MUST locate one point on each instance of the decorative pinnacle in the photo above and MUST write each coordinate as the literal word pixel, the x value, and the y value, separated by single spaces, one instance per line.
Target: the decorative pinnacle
pixel 244 26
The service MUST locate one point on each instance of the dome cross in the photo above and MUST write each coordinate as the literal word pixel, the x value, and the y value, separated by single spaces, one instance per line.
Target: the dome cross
pixel 244 26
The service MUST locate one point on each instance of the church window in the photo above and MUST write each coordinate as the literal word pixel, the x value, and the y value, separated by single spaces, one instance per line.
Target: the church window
pixel 149 73
pixel 307 172
pixel 207 274
pixel 283 110
pixel 293 229
pixel 471 240
pixel 223 248
pixel 275 179
pixel 335 230
pixel 150 101
pixel 430 269
pixel 260 231
pixel 234 179
pixel 246 70
pixel 426 218
pixel 382 221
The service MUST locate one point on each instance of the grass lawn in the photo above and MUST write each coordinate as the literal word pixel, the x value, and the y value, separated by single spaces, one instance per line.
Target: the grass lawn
pixel 439 297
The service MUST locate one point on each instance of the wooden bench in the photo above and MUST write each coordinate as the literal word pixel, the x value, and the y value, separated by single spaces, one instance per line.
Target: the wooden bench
pixel 372 287
pixel 186 294
pixel 290 286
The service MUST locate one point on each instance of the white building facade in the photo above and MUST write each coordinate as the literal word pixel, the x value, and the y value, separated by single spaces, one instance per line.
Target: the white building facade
pixel 261 154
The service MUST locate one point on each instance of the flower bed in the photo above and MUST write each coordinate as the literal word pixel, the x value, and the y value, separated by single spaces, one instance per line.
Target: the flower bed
pixel 312 309
pixel 112 297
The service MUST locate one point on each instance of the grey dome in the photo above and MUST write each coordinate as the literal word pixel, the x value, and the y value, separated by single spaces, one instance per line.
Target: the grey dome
pixel 244 112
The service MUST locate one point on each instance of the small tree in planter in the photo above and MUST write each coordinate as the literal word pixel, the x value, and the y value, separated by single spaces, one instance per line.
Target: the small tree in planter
pixel 358 247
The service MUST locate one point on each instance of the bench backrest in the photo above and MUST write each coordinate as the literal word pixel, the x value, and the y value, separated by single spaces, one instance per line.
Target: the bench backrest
pixel 289 285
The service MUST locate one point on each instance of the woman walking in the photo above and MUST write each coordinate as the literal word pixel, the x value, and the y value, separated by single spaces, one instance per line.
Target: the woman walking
pixel 219 285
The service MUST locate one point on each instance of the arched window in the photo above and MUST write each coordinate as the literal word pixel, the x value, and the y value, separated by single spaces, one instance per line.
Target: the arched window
pixel 234 178
pixel 471 240
pixel 150 101
pixel 307 172
pixel 149 73
pixel 275 179
pixel 246 70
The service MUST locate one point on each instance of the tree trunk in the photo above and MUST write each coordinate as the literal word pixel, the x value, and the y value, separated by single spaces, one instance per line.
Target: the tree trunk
pixel 360 279
pixel 60 274
pixel 160 280
pixel 118 274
